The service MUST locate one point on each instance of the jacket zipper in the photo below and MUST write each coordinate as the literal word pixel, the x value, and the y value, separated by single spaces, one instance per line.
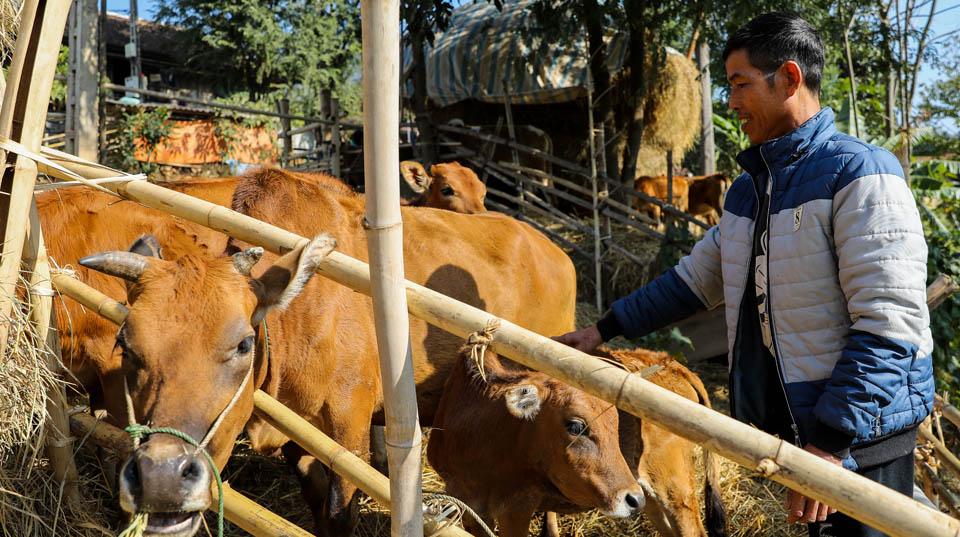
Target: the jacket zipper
pixel 773 332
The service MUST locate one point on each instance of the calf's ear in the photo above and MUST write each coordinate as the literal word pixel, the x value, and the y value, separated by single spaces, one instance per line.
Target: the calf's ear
pixel 286 278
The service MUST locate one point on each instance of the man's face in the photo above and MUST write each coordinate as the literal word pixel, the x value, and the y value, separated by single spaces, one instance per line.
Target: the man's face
pixel 760 106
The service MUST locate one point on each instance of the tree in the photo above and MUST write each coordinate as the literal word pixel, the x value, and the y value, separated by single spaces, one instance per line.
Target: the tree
pixel 423 19
pixel 272 43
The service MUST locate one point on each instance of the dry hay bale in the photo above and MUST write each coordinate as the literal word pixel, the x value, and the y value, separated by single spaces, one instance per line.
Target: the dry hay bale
pixel 673 122
pixel 30 498
pixel 9 26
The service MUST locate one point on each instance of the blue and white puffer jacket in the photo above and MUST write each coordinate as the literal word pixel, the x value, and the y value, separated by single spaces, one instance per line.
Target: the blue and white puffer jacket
pixel 845 282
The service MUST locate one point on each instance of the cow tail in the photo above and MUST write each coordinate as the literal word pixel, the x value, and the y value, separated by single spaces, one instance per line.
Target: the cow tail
pixel 716 513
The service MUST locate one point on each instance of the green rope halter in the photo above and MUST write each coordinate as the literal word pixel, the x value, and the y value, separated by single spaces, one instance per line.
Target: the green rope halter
pixel 138 432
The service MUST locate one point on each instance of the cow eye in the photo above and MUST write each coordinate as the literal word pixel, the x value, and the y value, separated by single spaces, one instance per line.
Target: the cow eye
pixel 576 427
pixel 245 346
pixel 447 190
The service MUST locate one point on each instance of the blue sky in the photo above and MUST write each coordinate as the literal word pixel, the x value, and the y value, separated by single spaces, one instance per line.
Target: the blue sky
pixel 947 21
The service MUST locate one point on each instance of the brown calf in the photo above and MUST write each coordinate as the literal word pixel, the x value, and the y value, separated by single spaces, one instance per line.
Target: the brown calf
pixel 510 442
pixel 706 197
pixel 666 468
pixel 656 187
pixel 189 320
pixel 450 186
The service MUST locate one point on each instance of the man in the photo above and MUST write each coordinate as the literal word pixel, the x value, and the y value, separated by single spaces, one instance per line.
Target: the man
pixel 820 261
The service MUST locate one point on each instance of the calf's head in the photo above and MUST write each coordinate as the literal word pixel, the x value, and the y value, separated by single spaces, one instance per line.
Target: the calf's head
pixel 564 437
pixel 449 186
pixel 189 355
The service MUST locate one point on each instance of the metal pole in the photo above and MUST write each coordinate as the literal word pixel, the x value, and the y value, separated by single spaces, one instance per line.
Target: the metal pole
pixel 380 27
pixel 134 44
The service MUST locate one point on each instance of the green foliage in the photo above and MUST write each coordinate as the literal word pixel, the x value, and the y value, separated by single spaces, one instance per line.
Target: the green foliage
pixel 290 47
pixel 935 187
pixel 729 140
pixel 149 126
pixel 58 92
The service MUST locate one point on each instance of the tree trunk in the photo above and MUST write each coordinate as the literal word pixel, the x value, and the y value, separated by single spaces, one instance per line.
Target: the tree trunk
pixel 708 147
pixel 886 44
pixel 635 11
pixel 851 75
pixel 603 104
pixel 428 135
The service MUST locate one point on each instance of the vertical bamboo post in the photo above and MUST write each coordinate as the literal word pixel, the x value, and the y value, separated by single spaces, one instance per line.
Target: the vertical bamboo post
pixel 335 137
pixel 380 26
pixel 595 198
pixel 283 107
pixel 708 146
pixel 22 119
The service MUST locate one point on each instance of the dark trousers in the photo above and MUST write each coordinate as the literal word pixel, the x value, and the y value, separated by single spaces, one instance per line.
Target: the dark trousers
pixel 896 474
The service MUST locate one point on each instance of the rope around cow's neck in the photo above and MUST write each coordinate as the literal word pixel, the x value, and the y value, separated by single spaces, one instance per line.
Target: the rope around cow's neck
pixel 138 524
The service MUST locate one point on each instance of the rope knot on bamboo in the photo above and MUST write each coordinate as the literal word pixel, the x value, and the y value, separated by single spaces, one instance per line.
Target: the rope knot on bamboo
pixel 477 344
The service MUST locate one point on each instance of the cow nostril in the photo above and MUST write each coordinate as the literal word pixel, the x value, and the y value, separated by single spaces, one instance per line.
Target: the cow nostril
pixel 632 501
pixel 192 471
pixel 131 475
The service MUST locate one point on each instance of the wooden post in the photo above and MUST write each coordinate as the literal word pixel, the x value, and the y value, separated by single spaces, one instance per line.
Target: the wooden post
pixel 707 147
pixel 325 98
pixel 783 462
pixel 335 137
pixel 512 133
pixel 595 200
pixel 135 67
pixel 83 81
pixel 101 80
pixel 22 119
pixel 380 26
pixel 286 140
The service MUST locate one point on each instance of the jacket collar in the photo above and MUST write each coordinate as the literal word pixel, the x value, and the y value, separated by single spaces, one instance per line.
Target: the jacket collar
pixel 790 147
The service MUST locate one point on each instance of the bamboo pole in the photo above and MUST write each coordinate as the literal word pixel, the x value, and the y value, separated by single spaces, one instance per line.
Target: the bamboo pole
pixel 952 461
pixel 380 28
pixel 22 118
pixel 950 412
pixel 852 494
pixel 315 442
pixel 237 508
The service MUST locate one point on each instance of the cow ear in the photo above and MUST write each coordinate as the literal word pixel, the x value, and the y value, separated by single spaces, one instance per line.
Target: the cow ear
pixel 286 278
pixel 523 401
pixel 415 175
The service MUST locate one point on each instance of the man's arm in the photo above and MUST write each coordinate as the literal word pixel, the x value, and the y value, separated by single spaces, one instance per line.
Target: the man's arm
pixel 694 284
pixel 882 259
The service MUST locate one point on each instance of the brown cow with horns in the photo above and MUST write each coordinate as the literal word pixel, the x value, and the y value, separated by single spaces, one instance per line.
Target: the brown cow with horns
pixel 322 359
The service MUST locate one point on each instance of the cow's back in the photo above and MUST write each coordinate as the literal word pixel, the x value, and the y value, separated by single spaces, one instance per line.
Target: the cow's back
pixel 486 260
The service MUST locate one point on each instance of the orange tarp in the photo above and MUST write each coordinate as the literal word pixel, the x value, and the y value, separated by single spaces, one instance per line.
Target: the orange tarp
pixel 196 142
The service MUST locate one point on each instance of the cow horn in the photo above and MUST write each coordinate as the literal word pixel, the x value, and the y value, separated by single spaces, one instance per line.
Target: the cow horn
pixel 244 261
pixel 126 265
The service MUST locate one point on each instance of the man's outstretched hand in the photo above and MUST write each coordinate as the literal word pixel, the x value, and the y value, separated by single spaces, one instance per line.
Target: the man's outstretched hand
pixel 803 509
pixel 586 340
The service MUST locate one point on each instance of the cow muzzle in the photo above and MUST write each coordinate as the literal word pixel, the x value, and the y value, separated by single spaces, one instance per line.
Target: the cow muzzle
pixel 170 481
pixel 627 504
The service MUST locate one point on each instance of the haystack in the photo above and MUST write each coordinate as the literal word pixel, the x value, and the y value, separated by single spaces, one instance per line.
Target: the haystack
pixel 674 118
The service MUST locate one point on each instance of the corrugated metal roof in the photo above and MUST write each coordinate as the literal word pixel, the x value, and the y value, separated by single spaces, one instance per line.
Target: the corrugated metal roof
pixel 483 48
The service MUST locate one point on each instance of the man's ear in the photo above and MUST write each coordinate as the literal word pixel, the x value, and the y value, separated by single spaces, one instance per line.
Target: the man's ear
pixel 415 175
pixel 793 77
pixel 286 278
pixel 523 401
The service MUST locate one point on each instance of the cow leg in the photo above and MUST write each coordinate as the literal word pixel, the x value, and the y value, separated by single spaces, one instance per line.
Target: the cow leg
pixel 515 523
pixel 342 503
pixel 313 478
pixel 551 526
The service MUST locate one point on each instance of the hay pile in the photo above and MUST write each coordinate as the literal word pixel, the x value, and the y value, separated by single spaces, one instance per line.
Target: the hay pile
pixel 9 25
pixel 30 499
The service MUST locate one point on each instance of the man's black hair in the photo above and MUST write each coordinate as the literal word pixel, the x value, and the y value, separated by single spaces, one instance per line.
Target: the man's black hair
pixel 773 38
